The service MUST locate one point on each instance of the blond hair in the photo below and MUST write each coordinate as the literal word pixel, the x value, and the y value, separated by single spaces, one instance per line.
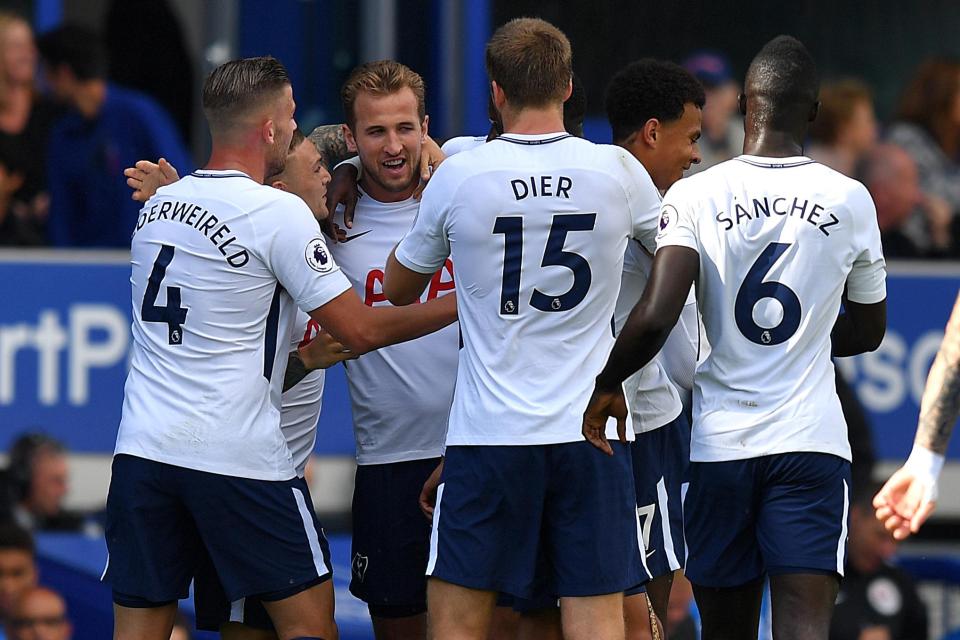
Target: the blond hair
pixel 531 60
pixel 381 78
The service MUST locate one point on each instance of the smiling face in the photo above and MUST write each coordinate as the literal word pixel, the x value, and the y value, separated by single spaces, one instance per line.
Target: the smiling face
pixel 306 176
pixel 667 148
pixel 388 135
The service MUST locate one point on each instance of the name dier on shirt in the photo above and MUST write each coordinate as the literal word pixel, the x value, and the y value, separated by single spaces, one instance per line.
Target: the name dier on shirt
pixel 781 206
pixel 187 213
pixel 538 186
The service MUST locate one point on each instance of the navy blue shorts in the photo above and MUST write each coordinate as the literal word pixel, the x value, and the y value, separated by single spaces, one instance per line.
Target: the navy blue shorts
pixel 391 537
pixel 776 514
pixel 262 536
pixel 499 507
pixel 213 609
pixel 661 461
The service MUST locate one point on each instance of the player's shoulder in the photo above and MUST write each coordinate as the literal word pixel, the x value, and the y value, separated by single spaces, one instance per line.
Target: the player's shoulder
pixel 458 144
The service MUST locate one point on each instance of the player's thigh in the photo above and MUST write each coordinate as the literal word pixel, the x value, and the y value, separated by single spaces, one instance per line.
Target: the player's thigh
pixel 137 623
pixel 802 524
pixel 152 540
pixel 590 527
pixel 593 617
pixel 239 631
pixel 262 536
pixel 802 605
pixel 720 517
pixel 636 617
pixel 487 519
pixel 308 613
pixel 730 613
pixel 391 538
pixel 458 612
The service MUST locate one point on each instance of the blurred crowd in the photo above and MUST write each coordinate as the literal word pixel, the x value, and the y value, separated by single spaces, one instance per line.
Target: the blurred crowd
pixel 67 130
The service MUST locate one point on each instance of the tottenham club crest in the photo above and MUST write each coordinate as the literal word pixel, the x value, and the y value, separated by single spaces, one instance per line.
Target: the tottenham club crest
pixel 317 256
pixel 359 566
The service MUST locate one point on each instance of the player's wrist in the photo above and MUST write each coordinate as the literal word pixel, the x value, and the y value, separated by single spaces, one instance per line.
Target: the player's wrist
pixel 925 461
pixel 607 383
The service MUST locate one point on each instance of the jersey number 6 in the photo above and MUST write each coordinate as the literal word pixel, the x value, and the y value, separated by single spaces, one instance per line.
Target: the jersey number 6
pixel 553 255
pixel 755 288
pixel 173 315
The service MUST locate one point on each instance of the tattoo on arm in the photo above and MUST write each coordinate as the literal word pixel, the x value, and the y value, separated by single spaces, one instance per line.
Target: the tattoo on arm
pixel 331 144
pixel 941 396
pixel 296 371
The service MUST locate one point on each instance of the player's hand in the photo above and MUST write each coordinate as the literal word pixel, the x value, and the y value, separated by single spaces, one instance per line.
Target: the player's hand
pixel 602 405
pixel 428 495
pixel 430 158
pixel 332 230
pixel 343 190
pixel 905 502
pixel 323 352
pixel 146 177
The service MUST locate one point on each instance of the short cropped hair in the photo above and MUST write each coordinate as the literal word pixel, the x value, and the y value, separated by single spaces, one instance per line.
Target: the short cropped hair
pixel 14 537
pixel 237 87
pixel 531 61
pixel 784 72
pixel 295 142
pixel 381 78
pixel 79 49
pixel 838 101
pixel 648 89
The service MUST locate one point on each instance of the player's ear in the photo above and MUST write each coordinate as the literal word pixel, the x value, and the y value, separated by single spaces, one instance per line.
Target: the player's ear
pixel 649 132
pixel 268 131
pixel 425 126
pixel 569 91
pixel 742 103
pixel 499 97
pixel 348 138
pixel 280 184
pixel 814 111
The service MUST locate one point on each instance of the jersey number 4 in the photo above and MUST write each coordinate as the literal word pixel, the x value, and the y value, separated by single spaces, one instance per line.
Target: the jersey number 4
pixel 553 255
pixel 173 315
pixel 755 288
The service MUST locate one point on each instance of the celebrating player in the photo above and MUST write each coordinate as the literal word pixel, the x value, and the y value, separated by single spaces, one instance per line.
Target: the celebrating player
pixel 201 464
pixel 773 241
pixel 537 222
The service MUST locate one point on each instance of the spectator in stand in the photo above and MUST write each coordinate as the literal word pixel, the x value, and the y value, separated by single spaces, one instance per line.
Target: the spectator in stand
pixel 109 128
pixel 37 481
pixel 18 568
pixel 39 614
pixel 928 128
pixel 891 176
pixel 722 126
pixel 877 601
pixel 25 120
pixel 846 126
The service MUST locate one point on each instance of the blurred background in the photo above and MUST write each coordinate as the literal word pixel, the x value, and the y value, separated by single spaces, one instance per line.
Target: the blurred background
pixel 890 117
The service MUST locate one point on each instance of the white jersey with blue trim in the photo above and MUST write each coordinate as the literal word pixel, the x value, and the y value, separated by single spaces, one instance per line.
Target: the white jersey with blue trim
pixel 455 145
pixel 301 403
pixel 400 394
pixel 778 240
pixel 217 262
pixel 537 226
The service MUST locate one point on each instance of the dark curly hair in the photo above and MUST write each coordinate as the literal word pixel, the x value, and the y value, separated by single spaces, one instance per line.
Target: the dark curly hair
pixel 648 89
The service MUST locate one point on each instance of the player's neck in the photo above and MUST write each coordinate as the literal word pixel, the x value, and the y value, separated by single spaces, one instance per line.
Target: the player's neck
pixel 532 120
pixel 769 143
pixel 228 158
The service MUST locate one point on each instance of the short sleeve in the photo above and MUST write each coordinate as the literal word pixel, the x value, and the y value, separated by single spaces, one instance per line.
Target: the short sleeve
pixel 867 282
pixel 677 221
pixel 426 246
pixel 295 252
pixel 643 200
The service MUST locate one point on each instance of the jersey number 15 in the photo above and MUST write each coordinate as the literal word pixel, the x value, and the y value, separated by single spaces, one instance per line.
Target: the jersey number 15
pixel 553 255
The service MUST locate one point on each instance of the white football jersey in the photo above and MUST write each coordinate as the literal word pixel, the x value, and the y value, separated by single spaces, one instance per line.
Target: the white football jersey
pixel 301 403
pixel 400 394
pixel 537 226
pixel 217 261
pixel 778 239
pixel 654 401
pixel 462 143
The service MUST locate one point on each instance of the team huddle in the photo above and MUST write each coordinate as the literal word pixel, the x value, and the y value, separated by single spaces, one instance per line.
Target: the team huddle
pixel 520 344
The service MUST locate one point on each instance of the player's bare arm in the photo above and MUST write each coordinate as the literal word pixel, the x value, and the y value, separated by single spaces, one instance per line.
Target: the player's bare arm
pixel 859 328
pixel 401 285
pixel 320 353
pixel 361 328
pixel 909 496
pixel 674 271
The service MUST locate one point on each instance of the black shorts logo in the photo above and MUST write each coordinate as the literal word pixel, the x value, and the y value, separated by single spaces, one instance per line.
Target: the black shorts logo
pixel 359 566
